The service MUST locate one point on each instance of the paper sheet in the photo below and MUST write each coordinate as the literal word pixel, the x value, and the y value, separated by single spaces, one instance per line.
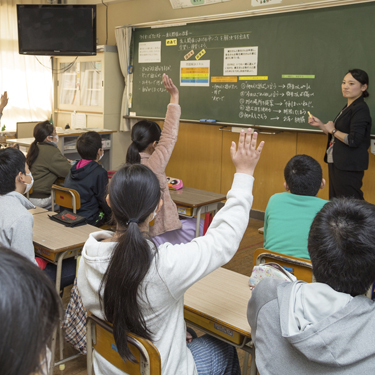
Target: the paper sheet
pixel 78 120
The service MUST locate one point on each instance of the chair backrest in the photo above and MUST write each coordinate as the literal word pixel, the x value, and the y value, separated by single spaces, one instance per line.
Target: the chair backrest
pixel 299 267
pixel 65 197
pixel 100 337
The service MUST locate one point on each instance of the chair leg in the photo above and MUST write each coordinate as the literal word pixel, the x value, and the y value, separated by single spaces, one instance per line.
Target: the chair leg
pixel 245 363
pixel 89 328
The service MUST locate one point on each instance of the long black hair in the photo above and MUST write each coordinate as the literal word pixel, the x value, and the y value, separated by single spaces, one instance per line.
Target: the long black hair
pixel 29 313
pixel 143 133
pixel 41 132
pixel 134 193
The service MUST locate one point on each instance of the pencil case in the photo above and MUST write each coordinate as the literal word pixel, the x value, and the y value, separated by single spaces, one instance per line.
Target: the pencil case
pixel 174 183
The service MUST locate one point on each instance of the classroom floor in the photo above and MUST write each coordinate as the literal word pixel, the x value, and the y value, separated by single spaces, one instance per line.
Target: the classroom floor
pixel 241 263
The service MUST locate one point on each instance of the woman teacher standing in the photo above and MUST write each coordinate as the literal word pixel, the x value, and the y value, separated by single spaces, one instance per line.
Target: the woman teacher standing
pixel 348 138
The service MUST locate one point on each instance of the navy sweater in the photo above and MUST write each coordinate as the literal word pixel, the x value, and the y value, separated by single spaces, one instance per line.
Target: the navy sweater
pixel 91 183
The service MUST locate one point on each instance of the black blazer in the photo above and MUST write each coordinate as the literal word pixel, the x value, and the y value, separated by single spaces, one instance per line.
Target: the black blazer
pixel 354 120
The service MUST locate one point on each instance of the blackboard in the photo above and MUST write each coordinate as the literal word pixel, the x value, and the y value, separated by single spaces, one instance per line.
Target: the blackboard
pixel 262 70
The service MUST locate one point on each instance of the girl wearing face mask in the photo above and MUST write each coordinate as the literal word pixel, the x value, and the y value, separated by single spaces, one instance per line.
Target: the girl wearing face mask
pixel 348 138
pixel 46 163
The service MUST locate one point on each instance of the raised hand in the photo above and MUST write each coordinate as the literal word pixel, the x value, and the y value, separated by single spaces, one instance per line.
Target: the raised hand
pixel 246 157
pixel 3 101
pixel 171 88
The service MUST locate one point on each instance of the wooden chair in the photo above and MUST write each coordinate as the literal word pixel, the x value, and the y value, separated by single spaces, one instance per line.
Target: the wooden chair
pixel 299 267
pixel 65 197
pixel 100 337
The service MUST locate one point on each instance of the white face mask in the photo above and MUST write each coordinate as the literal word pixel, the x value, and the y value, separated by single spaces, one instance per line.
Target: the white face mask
pixel 100 157
pixel 30 185
pixel 155 213
pixel 57 139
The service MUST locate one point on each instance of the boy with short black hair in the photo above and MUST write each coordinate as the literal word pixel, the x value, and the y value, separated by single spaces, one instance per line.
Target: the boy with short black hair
pixel 289 215
pixel 326 327
pixel 16 222
pixel 90 179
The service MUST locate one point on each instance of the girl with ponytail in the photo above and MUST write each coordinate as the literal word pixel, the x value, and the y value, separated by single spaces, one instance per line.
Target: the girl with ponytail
pixel 46 163
pixel 125 279
pixel 152 147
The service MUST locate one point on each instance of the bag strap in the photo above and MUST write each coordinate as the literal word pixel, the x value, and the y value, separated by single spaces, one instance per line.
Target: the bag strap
pixel 279 268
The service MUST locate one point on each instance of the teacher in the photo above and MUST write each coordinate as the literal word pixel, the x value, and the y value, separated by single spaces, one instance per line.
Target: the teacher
pixel 348 138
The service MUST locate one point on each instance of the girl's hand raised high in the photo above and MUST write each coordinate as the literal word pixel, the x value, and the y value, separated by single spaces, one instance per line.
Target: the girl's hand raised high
pixel 246 157
pixel 171 88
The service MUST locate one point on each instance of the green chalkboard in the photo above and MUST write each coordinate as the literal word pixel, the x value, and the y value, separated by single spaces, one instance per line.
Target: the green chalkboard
pixel 263 70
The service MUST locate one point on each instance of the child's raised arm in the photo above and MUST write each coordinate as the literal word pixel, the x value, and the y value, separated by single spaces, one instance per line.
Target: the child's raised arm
pixel 171 88
pixel 246 157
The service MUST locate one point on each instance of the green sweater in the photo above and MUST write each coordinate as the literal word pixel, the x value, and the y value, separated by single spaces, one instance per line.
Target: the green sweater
pixel 287 223
pixel 48 166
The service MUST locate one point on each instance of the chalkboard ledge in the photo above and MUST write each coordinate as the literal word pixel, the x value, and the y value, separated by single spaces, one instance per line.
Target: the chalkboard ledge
pixel 274 129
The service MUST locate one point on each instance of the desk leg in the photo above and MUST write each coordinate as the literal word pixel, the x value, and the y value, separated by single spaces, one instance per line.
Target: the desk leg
pixel 53 349
pixel 198 221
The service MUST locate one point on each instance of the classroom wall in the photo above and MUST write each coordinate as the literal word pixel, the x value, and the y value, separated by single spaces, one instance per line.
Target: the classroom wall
pixel 141 11
pixel 201 157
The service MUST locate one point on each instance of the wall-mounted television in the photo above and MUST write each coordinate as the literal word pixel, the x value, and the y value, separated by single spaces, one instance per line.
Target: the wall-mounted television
pixel 57 30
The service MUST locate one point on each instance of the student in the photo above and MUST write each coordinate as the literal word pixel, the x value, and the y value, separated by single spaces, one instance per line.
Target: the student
pixel 90 179
pixel 326 327
pixel 153 147
pixel 289 215
pixel 46 163
pixel 125 279
pixel 29 313
pixel 16 222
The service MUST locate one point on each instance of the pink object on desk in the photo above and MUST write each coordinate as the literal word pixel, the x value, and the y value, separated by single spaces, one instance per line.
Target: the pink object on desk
pixel 174 183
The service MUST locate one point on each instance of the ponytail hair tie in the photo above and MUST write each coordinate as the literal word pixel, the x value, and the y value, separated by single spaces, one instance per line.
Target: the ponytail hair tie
pixel 132 221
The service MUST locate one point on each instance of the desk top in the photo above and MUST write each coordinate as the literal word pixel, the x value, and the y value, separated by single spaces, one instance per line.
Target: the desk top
pixel 222 297
pixel 37 210
pixel 190 197
pixel 56 237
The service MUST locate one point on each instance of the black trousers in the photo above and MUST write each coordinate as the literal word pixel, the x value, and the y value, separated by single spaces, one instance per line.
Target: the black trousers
pixel 345 183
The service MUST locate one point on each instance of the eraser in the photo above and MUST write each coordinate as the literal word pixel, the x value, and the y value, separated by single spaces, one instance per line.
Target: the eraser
pixel 210 120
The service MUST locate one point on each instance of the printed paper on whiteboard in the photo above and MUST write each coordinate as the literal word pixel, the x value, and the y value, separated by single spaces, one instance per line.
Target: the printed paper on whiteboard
pixel 178 4
pixel 255 3
pixel 195 73
pixel 241 61
pixel 149 52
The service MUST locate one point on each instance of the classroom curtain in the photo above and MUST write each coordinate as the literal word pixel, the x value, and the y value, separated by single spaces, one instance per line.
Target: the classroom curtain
pixel 123 39
pixel 27 79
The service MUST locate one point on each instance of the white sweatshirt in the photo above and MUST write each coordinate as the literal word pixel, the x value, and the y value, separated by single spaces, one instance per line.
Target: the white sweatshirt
pixel 173 270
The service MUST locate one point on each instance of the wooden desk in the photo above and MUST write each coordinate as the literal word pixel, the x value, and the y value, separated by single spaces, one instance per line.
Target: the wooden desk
pixel 217 304
pixel 194 202
pixel 37 210
pixel 54 241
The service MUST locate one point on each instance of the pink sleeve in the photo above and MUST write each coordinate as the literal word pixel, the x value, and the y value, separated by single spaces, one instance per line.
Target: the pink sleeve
pixel 159 159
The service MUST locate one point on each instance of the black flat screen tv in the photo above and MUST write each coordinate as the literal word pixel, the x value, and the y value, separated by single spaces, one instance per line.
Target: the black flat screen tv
pixel 57 30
